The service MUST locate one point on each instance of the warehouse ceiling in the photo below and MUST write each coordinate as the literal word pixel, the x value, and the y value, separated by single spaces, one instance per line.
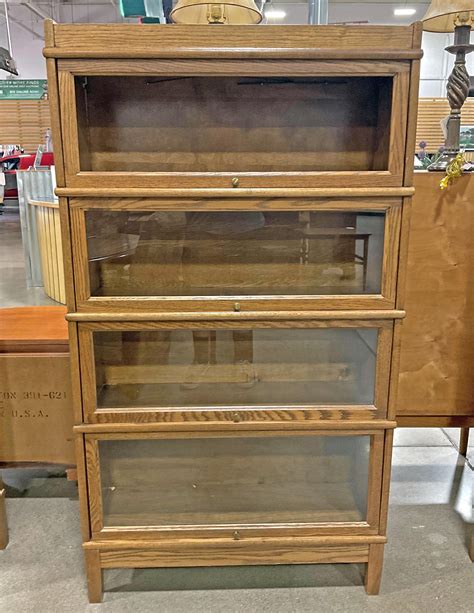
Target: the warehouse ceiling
pixel 29 15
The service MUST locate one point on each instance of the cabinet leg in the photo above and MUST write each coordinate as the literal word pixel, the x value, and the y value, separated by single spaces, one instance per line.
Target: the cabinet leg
pixel 463 441
pixel 3 518
pixel 373 573
pixel 94 575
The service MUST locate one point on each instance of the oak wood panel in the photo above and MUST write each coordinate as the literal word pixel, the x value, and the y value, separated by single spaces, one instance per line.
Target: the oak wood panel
pixel 234 553
pixel 373 574
pixel 190 201
pixel 200 67
pixel 437 341
pixel 265 192
pixel 33 329
pixel 94 575
pixel 151 542
pixel 53 103
pixel 435 421
pixel 239 319
pixel 412 116
pixel 361 426
pixel 79 444
pixel 107 40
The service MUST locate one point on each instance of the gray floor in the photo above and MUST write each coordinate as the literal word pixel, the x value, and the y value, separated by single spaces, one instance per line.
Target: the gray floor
pixel 427 567
pixel 426 562
pixel 13 288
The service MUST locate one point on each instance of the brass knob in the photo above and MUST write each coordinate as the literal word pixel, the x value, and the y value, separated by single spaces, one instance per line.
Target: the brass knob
pixel 235 182
pixel 237 536
pixel 236 307
pixel 236 417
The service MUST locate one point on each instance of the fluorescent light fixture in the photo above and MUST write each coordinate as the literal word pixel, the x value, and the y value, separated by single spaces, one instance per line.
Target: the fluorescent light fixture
pixel 274 14
pixel 404 12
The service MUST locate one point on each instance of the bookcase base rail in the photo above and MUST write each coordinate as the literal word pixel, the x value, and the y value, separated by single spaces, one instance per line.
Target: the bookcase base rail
pixel 225 552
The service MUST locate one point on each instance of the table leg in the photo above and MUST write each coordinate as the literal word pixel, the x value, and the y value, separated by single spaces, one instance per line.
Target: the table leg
pixel 3 518
pixel 463 441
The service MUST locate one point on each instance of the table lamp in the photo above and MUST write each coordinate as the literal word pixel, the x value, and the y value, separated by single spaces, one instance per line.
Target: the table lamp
pixel 453 16
pixel 233 12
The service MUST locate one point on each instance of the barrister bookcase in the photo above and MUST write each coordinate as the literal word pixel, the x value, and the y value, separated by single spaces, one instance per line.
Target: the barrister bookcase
pixel 234 204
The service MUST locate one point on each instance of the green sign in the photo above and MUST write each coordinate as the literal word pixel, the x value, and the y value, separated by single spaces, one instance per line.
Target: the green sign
pixel 23 89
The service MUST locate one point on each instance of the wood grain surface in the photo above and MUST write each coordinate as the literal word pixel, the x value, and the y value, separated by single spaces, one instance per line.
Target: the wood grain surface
pixel 437 343
pixel 33 328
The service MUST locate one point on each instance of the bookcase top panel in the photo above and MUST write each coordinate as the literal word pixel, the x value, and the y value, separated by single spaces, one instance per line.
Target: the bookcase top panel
pixel 135 41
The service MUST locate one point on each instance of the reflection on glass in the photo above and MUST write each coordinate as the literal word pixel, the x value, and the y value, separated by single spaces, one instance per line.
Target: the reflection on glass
pixel 233 124
pixel 234 253
pixel 277 479
pixel 281 367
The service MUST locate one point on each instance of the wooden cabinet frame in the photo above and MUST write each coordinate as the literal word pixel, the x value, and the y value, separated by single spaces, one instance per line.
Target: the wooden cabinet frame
pixel 238 66
pixel 391 207
pixel 253 416
pixel 368 527
pixel 251 51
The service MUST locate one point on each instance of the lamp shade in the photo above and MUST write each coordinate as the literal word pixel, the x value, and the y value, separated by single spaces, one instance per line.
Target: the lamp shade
pixel 445 15
pixel 216 12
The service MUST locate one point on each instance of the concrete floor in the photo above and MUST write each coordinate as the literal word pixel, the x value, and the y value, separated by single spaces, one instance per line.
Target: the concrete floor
pixel 427 567
pixel 426 561
pixel 13 288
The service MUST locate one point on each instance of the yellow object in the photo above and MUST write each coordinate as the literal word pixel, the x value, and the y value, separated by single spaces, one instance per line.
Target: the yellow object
pixel 453 171
pixel 50 248
pixel 445 15
pixel 223 12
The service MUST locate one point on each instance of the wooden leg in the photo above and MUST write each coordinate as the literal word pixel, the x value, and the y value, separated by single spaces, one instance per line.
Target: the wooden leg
pixel 471 548
pixel 3 518
pixel 94 575
pixel 373 574
pixel 463 441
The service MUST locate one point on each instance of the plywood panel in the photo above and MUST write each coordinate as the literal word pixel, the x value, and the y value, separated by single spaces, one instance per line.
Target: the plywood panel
pixel 24 122
pixel 437 347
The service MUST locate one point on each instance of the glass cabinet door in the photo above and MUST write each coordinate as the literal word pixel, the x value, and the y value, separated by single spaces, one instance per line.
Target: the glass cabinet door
pixel 223 481
pixel 142 373
pixel 206 254
pixel 180 129
pixel 235 124
pixel 234 253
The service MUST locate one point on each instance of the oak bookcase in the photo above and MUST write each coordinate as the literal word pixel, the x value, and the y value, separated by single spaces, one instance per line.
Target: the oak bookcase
pixel 235 206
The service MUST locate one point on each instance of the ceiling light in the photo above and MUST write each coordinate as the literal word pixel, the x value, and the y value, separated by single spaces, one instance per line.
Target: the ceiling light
pixel 274 14
pixel 404 12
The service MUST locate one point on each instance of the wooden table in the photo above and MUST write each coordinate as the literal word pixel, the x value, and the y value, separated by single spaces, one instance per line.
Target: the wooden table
pixel 436 386
pixel 35 397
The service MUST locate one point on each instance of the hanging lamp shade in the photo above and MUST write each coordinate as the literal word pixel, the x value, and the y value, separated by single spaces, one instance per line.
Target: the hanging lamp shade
pixel 445 15
pixel 235 12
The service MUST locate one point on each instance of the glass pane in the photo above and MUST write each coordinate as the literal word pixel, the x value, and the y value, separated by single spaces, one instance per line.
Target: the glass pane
pixel 233 124
pixel 281 367
pixel 234 253
pixel 295 479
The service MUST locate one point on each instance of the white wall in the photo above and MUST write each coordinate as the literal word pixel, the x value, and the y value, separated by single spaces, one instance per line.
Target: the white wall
pixel 27 38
